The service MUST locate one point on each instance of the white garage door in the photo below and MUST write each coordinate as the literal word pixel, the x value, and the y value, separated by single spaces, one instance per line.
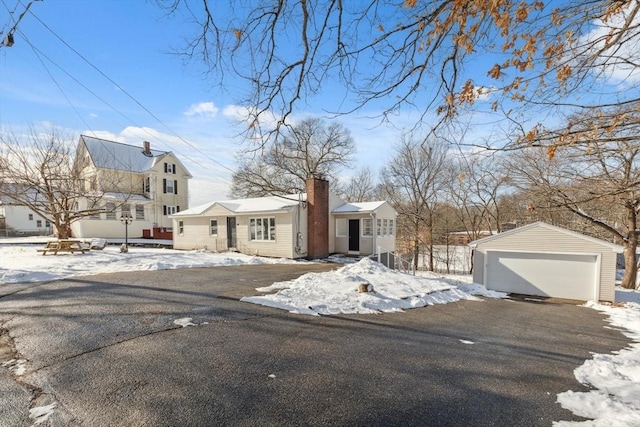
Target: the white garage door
pixel 553 275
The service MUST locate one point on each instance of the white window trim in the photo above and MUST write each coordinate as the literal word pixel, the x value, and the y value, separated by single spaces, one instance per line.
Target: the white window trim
pixel 170 187
pixel 271 233
pixel 362 227
pixel 211 228
pixel 138 211
pixel 110 209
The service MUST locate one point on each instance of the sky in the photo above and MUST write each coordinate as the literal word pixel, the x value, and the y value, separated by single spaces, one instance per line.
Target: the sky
pixel 613 380
pixel 108 68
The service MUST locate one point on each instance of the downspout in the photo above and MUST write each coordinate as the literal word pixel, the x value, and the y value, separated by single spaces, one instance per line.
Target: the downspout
pixel 299 236
pixel 375 233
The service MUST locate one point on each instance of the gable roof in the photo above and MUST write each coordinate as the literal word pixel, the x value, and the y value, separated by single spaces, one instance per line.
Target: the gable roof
pixel 361 207
pixel 612 246
pixel 245 206
pixel 118 156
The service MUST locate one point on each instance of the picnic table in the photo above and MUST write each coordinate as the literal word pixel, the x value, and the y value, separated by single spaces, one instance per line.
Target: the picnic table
pixel 63 245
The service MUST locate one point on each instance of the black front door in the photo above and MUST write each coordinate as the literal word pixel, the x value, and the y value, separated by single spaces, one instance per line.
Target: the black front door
pixel 354 235
pixel 231 232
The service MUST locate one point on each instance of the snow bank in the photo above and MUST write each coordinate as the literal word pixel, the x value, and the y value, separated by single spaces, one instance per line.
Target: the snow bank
pixel 337 292
pixel 615 378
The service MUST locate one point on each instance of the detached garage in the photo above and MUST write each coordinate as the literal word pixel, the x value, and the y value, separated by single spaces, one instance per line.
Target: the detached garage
pixel 544 260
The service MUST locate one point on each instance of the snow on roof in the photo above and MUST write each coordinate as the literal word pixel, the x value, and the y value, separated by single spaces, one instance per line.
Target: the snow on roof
pixel 262 204
pixel 196 210
pixel 115 155
pixel 362 207
pixel 240 206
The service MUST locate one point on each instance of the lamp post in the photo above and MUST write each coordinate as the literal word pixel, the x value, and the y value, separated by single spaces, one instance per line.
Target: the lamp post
pixel 126 220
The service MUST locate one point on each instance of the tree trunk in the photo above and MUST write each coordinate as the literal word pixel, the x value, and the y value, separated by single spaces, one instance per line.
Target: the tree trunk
pixel 64 231
pixel 630 247
pixel 630 266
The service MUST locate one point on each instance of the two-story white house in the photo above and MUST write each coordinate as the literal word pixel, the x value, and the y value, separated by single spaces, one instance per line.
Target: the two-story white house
pixel 144 184
pixel 18 220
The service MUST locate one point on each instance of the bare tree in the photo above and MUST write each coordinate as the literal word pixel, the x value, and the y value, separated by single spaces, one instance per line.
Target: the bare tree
pixel 361 187
pixel 311 147
pixel 413 182
pixel 475 187
pixel 598 180
pixel 39 172
pixel 419 53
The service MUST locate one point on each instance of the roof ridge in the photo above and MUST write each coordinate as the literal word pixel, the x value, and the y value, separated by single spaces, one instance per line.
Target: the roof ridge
pixel 120 143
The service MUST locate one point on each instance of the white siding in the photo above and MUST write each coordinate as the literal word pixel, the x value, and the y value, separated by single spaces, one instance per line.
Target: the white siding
pixel 368 244
pixel 196 233
pixel 542 239
pixel 161 198
pixel 281 247
pixel 17 217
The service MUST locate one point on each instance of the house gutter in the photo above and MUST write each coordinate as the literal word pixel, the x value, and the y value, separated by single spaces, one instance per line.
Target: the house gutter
pixel 375 233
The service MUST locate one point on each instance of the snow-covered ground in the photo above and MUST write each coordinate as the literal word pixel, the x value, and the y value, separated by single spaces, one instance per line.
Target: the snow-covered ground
pixel 22 263
pixel 383 290
pixel 614 378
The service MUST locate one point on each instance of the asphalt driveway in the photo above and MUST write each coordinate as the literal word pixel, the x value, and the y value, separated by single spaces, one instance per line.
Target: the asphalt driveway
pixel 105 349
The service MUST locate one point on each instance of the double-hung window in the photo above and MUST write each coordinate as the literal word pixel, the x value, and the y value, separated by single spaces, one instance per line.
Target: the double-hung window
pixel 170 186
pixel 111 210
pixel 170 168
pixel 367 227
pixel 140 212
pixel 213 227
pixel 262 229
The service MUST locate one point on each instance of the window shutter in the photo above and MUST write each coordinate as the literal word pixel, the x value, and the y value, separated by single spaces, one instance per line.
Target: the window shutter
pixel 164 209
pixel 165 168
pixel 175 187
pixel 174 168
pixel 164 185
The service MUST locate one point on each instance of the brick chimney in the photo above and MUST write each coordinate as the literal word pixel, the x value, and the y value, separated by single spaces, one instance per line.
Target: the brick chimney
pixel 317 217
pixel 146 148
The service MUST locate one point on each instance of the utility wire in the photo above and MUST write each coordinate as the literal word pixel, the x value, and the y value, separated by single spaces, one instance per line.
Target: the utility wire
pixel 36 52
pixel 15 25
pixel 40 54
pixel 131 96
pixel 11 13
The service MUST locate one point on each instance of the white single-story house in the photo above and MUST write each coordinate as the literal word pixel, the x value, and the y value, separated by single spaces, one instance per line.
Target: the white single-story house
pixel 545 260
pixel 306 225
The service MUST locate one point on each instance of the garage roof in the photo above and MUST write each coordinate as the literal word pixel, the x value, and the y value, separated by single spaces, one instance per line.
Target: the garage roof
pixel 612 246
